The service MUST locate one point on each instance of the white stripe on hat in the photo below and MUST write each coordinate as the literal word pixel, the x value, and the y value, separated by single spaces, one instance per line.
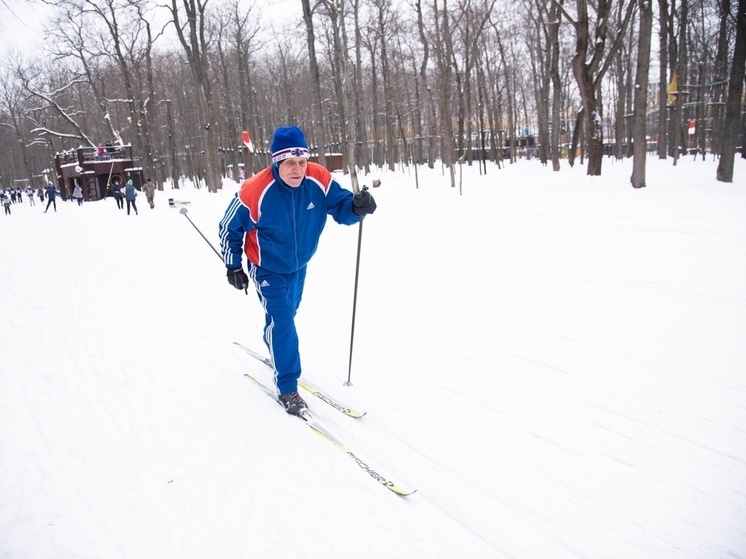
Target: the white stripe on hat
pixel 290 152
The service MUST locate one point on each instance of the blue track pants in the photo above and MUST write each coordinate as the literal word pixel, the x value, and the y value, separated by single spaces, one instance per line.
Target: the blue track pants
pixel 280 295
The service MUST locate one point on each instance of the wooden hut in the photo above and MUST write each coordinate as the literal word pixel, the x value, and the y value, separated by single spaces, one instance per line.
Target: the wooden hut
pixel 95 168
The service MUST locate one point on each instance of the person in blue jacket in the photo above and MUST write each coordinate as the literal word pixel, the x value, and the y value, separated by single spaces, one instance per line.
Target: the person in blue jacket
pixel 130 194
pixel 276 219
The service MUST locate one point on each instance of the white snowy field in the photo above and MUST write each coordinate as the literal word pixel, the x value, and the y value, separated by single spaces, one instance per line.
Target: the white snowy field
pixel 556 362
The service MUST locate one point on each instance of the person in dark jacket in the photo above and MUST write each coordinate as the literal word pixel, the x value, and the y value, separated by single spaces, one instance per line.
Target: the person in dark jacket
pixel 276 219
pixel 51 192
pixel 115 191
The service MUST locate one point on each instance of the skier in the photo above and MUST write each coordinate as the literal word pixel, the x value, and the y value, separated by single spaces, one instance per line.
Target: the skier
pixel 6 203
pixel 276 218
pixel 51 192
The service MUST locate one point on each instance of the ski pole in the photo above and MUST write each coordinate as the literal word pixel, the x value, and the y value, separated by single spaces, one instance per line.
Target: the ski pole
pixel 183 211
pixel 354 296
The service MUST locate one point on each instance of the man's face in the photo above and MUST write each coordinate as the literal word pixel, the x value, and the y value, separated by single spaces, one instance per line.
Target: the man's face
pixel 292 170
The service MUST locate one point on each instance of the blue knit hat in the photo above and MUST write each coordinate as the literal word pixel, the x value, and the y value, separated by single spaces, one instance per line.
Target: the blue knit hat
pixel 288 141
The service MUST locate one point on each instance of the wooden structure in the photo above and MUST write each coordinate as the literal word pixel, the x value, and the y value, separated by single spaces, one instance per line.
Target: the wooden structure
pixel 333 161
pixel 95 168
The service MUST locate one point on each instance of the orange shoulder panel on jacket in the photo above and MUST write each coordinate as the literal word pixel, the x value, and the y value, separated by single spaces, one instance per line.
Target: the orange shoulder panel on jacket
pixel 319 174
pixel 252 190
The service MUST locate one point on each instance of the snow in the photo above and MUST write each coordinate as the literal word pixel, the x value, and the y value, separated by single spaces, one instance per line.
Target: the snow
pixel 554 361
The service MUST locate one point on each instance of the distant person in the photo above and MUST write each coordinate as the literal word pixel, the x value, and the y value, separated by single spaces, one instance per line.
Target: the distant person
pixel 116 193
pixel 149 189
pixel 130 193
pixel 78 194
pixel 6 203
pixel 40 194
pixel 100 150
pixel 51 193
pixel 30 194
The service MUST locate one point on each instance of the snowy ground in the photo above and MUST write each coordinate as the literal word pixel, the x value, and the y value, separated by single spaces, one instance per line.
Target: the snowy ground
pixel 555 362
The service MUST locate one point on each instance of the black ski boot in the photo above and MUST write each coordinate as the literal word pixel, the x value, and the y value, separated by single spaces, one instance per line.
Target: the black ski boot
pixel 293 403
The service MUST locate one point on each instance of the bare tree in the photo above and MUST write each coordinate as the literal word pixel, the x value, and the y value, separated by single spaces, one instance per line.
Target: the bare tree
pixel 338 62
pixel 720 66
pixel 11 100
pixel 540 48
pixel 682 93
pixel 444 54
pixel 639 122
pixel 315 80
pixel 589 64
pixel 662 78
pixel 361 152
pixel 552 30
pixel 733 104
pixel 432 121
pixel 244 33
pixel 195 42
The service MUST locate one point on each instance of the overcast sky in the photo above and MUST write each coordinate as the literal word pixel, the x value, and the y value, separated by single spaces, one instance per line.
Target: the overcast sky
pixel 22 21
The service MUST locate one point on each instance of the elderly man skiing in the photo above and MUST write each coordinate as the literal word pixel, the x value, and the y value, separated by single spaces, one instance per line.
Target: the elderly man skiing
pixel 276 219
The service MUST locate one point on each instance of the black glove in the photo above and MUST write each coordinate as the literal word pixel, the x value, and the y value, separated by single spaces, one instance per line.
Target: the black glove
pixel 238 278
pixel 363 203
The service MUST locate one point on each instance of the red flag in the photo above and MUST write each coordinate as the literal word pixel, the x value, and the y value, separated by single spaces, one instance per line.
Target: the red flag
pixel 247 141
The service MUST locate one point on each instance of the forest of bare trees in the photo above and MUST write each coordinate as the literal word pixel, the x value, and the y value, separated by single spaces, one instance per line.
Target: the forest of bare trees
pixel 432 82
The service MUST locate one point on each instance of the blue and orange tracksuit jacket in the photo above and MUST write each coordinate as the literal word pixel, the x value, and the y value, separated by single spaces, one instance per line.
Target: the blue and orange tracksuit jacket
pixel 278 226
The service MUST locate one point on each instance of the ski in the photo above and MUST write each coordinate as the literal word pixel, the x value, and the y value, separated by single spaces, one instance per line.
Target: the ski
pixel 324 433
pixel 307 386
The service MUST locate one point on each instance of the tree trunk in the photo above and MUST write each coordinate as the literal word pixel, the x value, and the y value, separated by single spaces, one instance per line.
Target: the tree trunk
pixel 733 104
pixel 175 167
pixel 621 93
pixel 639 114
pixel 361 154
pixel 195 46
pixel 445 53
pixel 720 71
pixel 554 16
pixel 510 95
pixel 320 128
pixel 662 79
pixel 679 137
pixel 581 71
pixel 427 91
pixel 388 101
